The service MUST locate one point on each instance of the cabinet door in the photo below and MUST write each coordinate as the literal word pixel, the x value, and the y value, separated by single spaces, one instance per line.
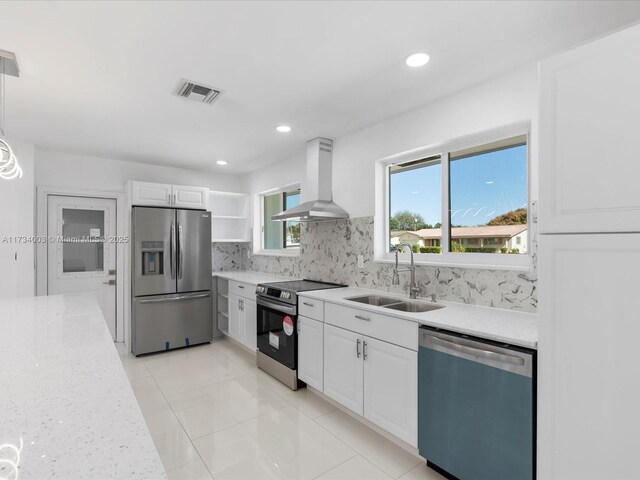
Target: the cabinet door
pixel 343 374
pixel 391 388
pixel 310 352
pixel 143 193
pixel 189 197
pixel 589 146
pixel 588 392
pixel 250 313
pixel 236 320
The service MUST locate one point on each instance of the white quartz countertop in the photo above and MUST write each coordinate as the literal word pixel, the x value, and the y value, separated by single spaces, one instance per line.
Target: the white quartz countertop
pixel 65 397
pixel 515 328
pixel 251 277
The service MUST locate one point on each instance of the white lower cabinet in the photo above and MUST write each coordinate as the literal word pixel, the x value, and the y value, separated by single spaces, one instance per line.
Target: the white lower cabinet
pixel 236 320
pixel 343 367
pixel 310 352
pixel 391 388
pixel 250 310
pixel 242 320
pixel 375 379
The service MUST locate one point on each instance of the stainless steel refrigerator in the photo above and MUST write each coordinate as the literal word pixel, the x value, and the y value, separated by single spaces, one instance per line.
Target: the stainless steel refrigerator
pixel 172 302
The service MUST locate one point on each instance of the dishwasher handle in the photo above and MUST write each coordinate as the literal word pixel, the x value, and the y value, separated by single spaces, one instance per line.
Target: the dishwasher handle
pixel 479 352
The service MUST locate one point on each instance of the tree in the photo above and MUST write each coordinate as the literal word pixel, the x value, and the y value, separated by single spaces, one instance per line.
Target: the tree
pixel 514 217
pixel 406 220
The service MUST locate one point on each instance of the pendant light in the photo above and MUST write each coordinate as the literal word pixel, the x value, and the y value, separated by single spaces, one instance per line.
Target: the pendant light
pixel 9 166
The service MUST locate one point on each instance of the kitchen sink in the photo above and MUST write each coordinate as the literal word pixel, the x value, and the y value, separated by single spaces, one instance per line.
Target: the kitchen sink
pixel 413 307
pixel 376 300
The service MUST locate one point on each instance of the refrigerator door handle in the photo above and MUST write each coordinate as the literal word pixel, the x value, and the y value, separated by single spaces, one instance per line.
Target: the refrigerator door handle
pixel 176 299
pixel 181 250
pixel 172 249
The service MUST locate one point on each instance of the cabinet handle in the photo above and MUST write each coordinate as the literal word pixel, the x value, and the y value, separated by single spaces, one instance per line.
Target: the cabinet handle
pixel 174 198
pixel 308 304
pixel 364 349
pixel 240 286
pixel 358 348
pixel 360 317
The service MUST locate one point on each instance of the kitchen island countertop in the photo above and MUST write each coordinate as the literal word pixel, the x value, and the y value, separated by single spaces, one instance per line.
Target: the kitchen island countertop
pixel 65 397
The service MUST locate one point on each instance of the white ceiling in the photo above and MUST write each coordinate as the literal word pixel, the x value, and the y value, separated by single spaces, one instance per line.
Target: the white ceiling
pixel 97 78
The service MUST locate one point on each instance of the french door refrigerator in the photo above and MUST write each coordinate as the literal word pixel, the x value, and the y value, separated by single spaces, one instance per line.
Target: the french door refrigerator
pixel 172 303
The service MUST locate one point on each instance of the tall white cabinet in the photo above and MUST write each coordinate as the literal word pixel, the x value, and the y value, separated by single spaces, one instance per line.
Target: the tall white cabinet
pixel 589 261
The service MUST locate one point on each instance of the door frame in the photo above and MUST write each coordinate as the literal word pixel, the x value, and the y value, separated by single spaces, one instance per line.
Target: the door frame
pixel 122 228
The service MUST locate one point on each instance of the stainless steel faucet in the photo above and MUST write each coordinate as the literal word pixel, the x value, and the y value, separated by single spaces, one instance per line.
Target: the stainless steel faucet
pixel 413 286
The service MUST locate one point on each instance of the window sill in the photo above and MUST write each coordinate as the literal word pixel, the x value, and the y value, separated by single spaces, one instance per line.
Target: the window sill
pixel 479 261
pixel 292 252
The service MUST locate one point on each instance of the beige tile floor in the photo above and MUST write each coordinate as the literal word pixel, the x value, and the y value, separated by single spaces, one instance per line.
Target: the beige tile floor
pixel 213 414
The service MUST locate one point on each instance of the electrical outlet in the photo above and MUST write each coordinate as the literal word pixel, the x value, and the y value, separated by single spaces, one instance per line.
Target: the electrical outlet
pixel 360 261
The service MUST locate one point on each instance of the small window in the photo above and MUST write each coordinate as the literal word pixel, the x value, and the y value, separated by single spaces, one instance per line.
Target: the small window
pixel 276 235
pixel 415 196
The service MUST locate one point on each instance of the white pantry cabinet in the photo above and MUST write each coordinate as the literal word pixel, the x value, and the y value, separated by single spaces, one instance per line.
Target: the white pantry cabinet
pixel 343 367
pixel 588 388
pixel 166 195
pixel 589 148
pixel 391 388
pixel 373 378
pixel 311 352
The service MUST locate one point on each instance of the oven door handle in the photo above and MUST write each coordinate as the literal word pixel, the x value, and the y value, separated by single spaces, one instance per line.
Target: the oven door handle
pixel 290 309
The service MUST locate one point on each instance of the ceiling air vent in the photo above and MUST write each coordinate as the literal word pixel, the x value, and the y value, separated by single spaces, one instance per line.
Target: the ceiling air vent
pixel 198 93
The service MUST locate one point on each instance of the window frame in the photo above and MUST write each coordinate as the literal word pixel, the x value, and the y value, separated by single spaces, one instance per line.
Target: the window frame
pixel 523 262
pixel 258 233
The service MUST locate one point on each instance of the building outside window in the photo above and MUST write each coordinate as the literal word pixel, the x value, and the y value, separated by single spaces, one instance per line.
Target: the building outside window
pixel 276 235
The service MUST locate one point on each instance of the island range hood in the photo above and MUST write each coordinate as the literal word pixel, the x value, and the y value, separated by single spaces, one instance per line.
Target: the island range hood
pixel 318 187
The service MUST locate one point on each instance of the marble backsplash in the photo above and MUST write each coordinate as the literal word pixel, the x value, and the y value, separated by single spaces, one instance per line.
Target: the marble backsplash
pixel 329 253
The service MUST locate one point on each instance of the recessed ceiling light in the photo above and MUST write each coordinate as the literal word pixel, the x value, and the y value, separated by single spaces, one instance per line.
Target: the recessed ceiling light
pixel 489 182
pixel 417 59
pixel 221 162
pixel 283 128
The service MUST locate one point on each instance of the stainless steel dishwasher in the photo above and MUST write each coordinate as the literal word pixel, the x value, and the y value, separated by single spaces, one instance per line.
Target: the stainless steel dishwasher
pixel 476 407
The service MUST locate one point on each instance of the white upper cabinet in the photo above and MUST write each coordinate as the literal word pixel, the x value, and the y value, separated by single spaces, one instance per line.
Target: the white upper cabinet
pixel 152 194
pixel 589 146
pixel 229 216
pixel 166 195
pixel 189 197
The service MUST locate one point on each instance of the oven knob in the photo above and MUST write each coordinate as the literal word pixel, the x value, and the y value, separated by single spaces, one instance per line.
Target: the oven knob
pixel 260 289
pixel 285 295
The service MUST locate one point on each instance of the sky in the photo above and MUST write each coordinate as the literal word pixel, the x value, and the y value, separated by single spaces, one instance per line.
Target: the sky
pixel 481 188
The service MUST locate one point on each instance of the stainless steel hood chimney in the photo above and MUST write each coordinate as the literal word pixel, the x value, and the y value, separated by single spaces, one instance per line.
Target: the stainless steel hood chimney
pixel 319 158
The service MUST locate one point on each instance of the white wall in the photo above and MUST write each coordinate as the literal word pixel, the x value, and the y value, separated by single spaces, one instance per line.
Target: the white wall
pixel 508 99
pixel 82 171
pixel 17 197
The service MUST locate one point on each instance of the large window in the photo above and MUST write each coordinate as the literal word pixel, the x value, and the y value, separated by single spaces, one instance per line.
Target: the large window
pixel 462 201
pixel 276 235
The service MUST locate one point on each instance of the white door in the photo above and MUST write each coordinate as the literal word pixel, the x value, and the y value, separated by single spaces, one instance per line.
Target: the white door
pixel 343 367
pixel 189 197
pixel 250 312
pixel 588 388
pixel 589 146
pixel 391 388
pixel 236 322
pixel 310 352
pixel 81 252
pixel 152 194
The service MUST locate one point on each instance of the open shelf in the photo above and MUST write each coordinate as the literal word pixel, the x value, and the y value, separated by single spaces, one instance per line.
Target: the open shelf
pixel 224 295
pixel 229 217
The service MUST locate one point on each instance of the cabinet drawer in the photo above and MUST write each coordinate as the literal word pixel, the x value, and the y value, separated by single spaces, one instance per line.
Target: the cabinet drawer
pixel 311 308
pixel 243 289
pixel 383 327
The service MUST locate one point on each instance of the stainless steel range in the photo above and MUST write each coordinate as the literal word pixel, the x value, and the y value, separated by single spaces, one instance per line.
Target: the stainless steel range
pixel 277 326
